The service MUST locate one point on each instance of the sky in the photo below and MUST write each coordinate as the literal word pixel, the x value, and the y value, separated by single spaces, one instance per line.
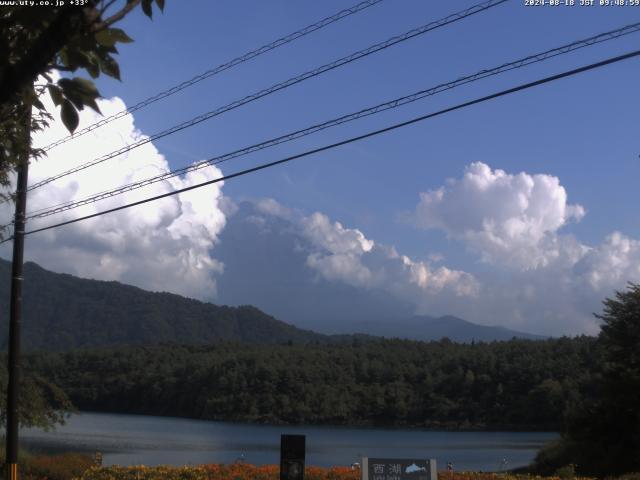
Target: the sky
pixel 518 212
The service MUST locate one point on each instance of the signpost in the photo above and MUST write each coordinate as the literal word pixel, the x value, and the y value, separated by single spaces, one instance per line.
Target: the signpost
pixel 292 454
pixel 398 469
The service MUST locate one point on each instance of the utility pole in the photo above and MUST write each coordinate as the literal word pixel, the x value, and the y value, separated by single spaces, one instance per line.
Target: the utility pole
pixel 15 318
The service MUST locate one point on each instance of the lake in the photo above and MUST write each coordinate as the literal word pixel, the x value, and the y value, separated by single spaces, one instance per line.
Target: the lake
pixel 147 440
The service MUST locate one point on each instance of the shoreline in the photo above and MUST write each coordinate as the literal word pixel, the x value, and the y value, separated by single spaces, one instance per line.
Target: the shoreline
pixel 425 427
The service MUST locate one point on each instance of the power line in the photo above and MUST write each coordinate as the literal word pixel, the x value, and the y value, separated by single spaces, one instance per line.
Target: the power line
pixel 263 166
pixel 522 62
pixel 282 85
pixel 221 68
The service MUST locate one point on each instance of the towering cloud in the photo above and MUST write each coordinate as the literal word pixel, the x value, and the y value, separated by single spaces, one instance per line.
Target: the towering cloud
pixel 542 280
pixel 508 219
pixel 346 256
pixel 162 245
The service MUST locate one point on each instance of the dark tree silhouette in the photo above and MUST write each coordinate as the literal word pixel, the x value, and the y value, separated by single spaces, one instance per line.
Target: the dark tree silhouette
pixel 602 434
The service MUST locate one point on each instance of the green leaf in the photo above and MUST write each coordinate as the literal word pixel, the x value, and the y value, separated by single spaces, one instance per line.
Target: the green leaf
pixel 85 86
pixel 110 67
pixel 94 68
pixel 69 115
pixel 102 49
pixel 146 8
pixel 56 94
pixel 103 37
pixel 70 92
pixel 76 99
pixel 73 58
pixel 80 92
pixel 64 57
pixel 120 35
pixel 110 36
pixel 160 4
pixel 94 106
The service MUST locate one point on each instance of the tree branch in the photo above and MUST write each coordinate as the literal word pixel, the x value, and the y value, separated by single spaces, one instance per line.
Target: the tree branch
pixel 96 27
pixel 57 66
pixel 106 5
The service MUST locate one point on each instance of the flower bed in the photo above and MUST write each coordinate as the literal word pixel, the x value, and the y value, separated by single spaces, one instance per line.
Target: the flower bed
pixel 265 472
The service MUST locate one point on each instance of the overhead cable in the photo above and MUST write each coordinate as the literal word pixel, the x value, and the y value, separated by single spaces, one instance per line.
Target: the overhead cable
pixel 481 7
pixel 219 69
pixel 522 62
pixel 307 153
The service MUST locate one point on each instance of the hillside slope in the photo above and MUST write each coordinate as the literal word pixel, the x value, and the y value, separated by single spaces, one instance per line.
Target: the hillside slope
pixel 63 312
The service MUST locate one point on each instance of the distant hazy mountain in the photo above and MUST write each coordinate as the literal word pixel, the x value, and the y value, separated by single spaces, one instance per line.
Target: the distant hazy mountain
pixel 265 264
pixel 429 328
pixel 274 276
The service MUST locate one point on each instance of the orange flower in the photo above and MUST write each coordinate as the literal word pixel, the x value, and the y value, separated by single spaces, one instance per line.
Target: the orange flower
pixel 245 471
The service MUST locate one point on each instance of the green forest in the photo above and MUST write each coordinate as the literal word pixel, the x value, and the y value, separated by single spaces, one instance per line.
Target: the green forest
pixel 518 384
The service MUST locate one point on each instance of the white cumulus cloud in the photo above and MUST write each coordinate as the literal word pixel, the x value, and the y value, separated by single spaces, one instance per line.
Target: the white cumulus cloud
pixel 162 245
pixel 508 218
pixel 338 253
pixel 439 278
pixel 610 264
pixel 333 237
pixel 542 280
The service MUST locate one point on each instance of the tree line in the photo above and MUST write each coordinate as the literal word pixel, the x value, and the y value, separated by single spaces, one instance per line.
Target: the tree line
pixel 518 384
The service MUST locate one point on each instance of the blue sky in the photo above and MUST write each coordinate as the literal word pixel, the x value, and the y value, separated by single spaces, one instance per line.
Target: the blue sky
pixel 582 130
pixel 381 214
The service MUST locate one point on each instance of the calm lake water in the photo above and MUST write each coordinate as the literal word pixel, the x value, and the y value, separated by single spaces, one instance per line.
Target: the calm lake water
pixel 146 440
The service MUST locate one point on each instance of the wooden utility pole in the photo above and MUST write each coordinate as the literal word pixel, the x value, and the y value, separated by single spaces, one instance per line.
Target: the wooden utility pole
pixel 15 318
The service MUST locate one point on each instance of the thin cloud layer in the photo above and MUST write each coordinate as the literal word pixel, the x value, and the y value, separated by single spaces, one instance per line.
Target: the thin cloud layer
pixel 163 245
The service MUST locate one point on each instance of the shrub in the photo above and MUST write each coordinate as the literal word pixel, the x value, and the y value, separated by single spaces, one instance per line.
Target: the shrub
pixel 568 472
pixel 627 476
pixel 56 467
pixel 265 472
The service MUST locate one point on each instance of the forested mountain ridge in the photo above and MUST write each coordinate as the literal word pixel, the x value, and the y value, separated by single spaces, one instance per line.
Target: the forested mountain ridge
pixel 63 312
